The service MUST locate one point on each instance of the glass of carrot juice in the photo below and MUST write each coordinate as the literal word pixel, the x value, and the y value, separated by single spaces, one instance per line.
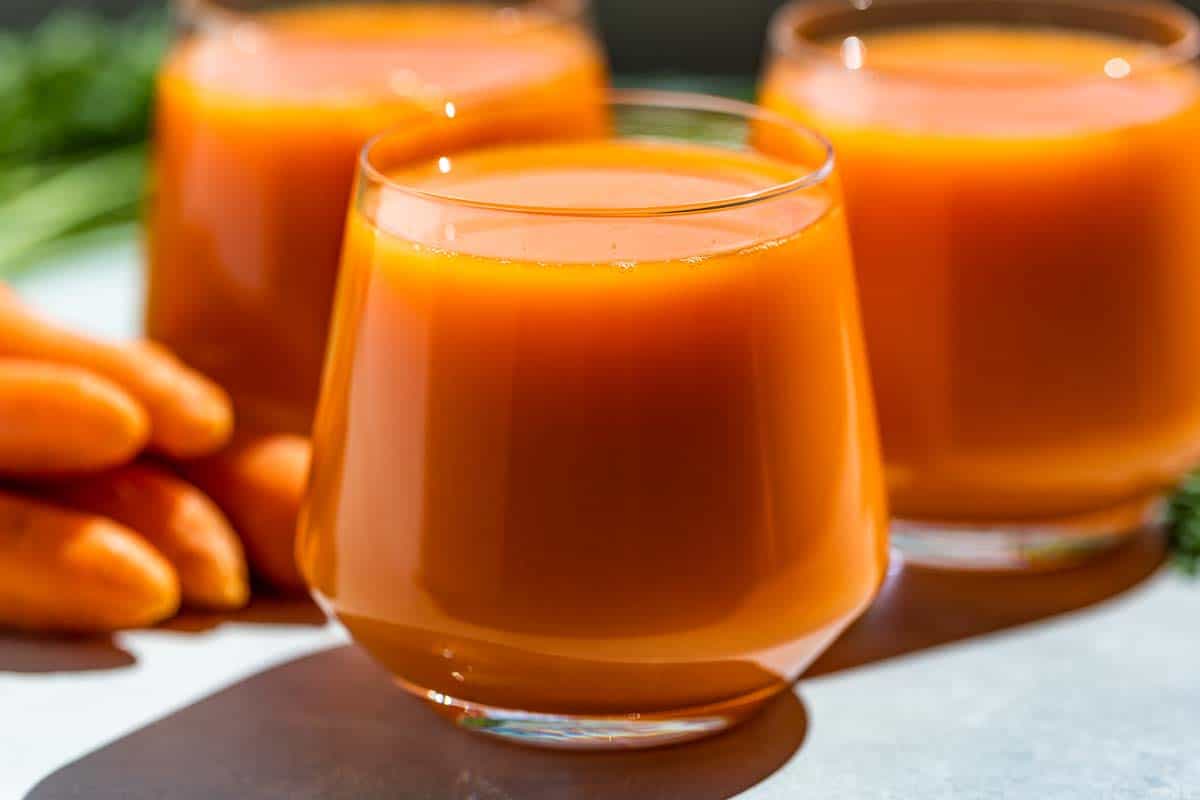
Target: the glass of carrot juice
pixel 263 107
pixel 1026 229
pixel 595 457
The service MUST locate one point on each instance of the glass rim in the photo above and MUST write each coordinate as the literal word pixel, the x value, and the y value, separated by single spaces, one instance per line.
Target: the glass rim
pixel 215 15
pixel 642 98
pixel 786 40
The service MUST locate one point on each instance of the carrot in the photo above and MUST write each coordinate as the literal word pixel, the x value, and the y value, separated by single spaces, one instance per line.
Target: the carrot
pixel 56 419
pixel 62 571
pixel 189 415
pixel 259 482
pixel 177 519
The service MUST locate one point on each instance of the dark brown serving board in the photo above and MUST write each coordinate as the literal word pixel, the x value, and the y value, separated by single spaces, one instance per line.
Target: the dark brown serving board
pixel 332 726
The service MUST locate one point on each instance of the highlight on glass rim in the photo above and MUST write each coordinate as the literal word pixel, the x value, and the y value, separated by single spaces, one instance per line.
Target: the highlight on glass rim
pixel 599 398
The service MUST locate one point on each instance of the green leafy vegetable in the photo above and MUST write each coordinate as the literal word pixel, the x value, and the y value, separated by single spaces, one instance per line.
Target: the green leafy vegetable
pixel 1184 521
pixel 69 197
pixel 77 83
pixel 75 104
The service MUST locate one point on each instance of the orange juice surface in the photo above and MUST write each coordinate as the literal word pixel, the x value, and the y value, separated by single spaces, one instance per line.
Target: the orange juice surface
pixel 1026 226
pixel 595 465
pixel 259 125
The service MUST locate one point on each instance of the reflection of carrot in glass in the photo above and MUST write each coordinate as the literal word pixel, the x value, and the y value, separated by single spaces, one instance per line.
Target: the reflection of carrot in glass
pixel 259 482
pixel 189 415
pixel 179 520
pixel 60 419
pixel 65 571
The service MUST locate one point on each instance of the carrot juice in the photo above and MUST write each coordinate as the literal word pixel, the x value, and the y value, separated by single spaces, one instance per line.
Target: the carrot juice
pixel 1024 218
pixel 259 121
pixel 587 461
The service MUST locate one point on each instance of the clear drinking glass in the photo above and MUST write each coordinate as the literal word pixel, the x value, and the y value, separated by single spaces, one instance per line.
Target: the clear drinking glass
pixel 1024 219
pixel 595 459
pixel 263 106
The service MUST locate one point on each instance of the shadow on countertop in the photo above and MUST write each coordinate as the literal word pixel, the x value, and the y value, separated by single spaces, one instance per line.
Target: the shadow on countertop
pixel 922 608
pixel 42 654
pixel 264 609
pixel 326 726
pixel 25 654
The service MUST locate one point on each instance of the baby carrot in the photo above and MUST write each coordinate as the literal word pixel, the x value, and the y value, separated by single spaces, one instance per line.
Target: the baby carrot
pixel 62 571
pixel 189 415
pixel 177 519
pixel 259 482
pixel 57 419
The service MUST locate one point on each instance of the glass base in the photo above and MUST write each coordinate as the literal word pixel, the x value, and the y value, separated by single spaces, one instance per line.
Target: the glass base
pixel 1023 545
pixel 581 732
